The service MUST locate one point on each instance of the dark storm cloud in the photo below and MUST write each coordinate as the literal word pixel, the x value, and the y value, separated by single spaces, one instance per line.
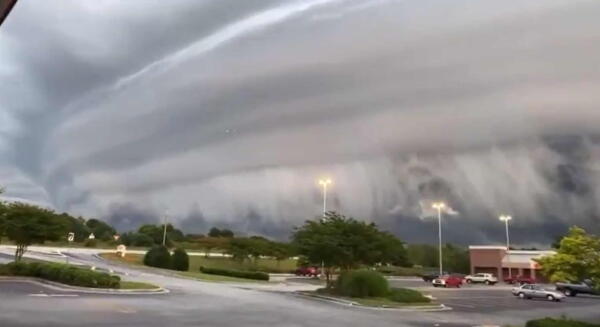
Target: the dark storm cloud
pixel 226 112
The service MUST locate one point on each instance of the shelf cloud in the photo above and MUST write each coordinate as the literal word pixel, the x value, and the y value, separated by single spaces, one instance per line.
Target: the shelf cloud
pixel 227 112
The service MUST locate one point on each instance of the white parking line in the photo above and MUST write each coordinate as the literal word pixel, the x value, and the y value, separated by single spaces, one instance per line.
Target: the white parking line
pixel 52 295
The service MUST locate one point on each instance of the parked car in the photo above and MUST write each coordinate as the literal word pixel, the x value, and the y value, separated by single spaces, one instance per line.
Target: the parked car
pixel 520 280
pixel 447 281
pixel 308 271
pixel 572 289
pixel 487 279
pixel 530 291
pixel 429 277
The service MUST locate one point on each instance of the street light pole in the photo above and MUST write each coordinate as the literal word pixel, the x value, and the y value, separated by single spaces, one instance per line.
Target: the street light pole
pixel 324 183
pixel 439 206
pixel 165 230
pixel 506 219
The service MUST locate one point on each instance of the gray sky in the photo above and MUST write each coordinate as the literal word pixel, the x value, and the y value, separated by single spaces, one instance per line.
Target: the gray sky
pixel 226 112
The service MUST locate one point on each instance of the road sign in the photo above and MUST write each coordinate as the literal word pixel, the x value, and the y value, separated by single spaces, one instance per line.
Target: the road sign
pixel 91 237
pixel 71 237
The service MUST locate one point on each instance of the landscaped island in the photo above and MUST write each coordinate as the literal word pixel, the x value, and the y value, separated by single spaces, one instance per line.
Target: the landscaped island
pixel 69 275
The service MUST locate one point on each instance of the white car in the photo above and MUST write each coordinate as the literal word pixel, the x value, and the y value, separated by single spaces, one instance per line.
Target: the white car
pixel 487 279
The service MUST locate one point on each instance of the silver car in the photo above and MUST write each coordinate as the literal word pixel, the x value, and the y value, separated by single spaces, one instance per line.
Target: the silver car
pixel 530 291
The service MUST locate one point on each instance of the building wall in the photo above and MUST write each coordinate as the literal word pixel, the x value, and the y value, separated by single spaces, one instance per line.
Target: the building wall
pixel 495 260
pixel 487 261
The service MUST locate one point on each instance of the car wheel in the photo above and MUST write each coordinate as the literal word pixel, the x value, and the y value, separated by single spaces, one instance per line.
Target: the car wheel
pixel 521 295
pixel 469 281
pixel 550 298
pixel 487 282
pixel 568 292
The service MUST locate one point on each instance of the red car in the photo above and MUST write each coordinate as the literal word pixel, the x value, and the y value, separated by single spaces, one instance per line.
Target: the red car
pixel 308 271
pixel 447 281
pixel 520 280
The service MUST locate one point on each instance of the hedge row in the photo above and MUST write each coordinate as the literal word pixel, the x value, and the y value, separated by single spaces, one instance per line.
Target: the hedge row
pixel 61 273
pixel 236 273
pixel 550 322
pixel 406 295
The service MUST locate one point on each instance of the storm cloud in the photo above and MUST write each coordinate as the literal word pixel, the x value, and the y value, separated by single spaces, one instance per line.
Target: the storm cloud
pixel 226 113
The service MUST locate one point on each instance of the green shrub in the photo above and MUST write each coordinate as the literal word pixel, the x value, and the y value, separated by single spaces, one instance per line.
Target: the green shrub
pixel 180 260
pixel 91 243
pixel 362 283
pixel 158 256
pixel 236 273
pixel 61 273
pixel 405 295
pixel 550 322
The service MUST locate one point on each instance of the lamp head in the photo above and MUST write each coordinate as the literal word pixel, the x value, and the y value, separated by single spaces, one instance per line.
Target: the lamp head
pixel 438 205
pixel 325 181
pixel 505 218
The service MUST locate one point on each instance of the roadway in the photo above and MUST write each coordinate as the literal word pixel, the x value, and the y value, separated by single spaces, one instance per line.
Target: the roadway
pixel 196 303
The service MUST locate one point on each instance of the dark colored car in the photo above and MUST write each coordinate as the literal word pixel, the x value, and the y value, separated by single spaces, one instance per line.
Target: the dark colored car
pixel 520 280
pixel 430 276
pixel 308 271
pixel 572 289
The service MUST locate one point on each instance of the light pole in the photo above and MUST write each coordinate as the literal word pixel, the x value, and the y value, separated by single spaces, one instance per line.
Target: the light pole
pixel 165 229
pixel 506 219
pixel 324 183
pixel 439 206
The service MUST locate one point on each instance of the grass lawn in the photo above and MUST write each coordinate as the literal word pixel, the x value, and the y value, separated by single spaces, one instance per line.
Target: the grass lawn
pixel 217 278
pixel 266 265
pixel 380 302
pixel 194 272
pixel 128 285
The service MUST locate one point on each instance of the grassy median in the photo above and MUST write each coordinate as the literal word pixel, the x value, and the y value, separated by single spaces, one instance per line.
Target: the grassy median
pixel 194 272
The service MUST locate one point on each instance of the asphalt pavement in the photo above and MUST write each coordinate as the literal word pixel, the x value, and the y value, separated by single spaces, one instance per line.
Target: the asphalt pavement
pixel 196 303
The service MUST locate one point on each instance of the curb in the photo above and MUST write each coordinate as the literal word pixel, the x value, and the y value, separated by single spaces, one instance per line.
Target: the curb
pixel 430 308
pixel 88 290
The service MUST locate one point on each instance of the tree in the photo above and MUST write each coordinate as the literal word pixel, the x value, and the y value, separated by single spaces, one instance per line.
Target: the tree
pixel 577 258
pixel 101 229
pixel 158 256
pixel 340 242
pixel 280 251
pixel 214 232
pixel 77 226
pixel 211 243
pixel 227 233
pixel 156 232
pixel 180 260
pixel 26 224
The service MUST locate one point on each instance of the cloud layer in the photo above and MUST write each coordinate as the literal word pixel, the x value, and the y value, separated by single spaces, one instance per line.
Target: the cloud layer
pixel 226 112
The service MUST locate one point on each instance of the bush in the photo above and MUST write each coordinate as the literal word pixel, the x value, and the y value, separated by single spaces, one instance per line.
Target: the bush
pixel 91 243
pixel 180 260
pixel 362 283
pixel 550 322
pixel 61 273
pixel 405 295
pixel 158 256
pixel 236 273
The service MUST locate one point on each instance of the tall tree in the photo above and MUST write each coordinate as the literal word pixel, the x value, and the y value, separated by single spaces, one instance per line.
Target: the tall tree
pixel 336 241
pixel 577 258
pixel 27 224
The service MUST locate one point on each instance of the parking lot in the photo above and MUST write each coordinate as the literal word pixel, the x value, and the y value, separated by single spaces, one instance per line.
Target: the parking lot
pixel 482 298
